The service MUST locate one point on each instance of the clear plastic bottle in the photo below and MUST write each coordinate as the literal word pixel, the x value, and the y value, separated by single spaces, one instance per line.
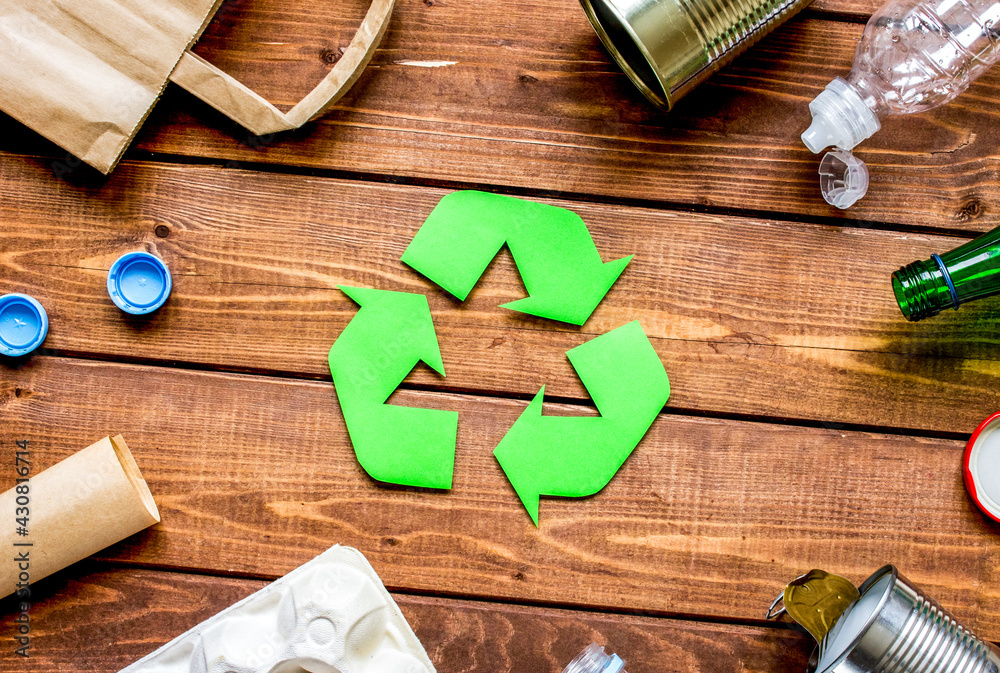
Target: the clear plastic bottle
pixel 914 56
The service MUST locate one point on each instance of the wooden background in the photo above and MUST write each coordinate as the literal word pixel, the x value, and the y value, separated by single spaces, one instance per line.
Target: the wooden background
pixel 809 424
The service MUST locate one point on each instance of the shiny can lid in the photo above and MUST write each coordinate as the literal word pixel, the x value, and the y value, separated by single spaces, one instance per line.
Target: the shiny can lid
pixel 982 466
pixel 23 324
pixel 139 283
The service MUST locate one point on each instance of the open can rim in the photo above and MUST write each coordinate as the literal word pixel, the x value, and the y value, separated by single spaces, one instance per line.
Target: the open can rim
pixel 660 97
pixel 848 650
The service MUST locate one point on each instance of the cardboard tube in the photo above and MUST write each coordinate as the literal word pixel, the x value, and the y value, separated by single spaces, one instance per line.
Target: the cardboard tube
pixel 76 508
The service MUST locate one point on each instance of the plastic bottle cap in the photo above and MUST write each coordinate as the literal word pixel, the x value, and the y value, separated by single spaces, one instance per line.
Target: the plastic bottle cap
pixel 23 324
pixel 982 466
pixel 139 283
pixel 843 178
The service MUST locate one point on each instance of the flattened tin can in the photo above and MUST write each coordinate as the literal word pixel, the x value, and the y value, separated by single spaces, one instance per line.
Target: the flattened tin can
pixel 668 47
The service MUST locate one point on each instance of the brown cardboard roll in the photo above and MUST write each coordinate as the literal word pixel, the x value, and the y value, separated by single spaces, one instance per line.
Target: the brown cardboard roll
pixel 77 507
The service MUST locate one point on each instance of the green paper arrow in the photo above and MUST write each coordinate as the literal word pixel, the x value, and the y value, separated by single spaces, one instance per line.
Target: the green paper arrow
pixel 555 255
pixel 574 456
pixel 391 333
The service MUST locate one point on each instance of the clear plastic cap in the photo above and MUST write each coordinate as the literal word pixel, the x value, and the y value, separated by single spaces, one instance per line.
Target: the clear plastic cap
pixel 839 117
pixel 594 659
pixel 843 178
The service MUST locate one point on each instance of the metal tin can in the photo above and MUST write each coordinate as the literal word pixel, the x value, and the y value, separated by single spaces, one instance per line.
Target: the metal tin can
pixel 668 47
pixel 895 628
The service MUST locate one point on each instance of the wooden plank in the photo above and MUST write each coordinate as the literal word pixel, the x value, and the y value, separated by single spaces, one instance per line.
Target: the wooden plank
pixel 533 102
pixel 118 616
pixel 255 475
pixel 750 316
pixel 581 127
pixel 858 10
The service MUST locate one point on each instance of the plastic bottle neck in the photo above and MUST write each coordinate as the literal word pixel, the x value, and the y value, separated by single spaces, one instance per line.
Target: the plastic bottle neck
pixel 841 117
pixel 870 93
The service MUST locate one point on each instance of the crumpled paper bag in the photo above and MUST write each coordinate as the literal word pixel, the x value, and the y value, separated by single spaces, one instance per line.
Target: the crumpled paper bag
pixel 86 73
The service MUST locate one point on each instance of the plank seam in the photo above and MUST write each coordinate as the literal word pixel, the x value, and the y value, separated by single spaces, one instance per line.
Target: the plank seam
pixel 135 157
pixel 576 197
pixel 832 15
pixel 98 564
pixel 275 375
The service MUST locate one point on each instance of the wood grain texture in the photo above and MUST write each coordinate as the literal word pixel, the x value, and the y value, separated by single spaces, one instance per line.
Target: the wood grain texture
pixel 256 475
pixel 750 316
pixel 532 101
pixel 99 621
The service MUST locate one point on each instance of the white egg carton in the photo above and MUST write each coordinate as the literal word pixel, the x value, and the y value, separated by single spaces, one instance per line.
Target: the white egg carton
pixel 331 615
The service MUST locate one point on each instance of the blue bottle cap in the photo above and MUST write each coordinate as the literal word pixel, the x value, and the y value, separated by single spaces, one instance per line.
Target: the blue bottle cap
pixel 23 324
pixel 139 283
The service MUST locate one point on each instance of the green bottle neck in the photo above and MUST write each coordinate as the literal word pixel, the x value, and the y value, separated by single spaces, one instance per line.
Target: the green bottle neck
pixel 923 290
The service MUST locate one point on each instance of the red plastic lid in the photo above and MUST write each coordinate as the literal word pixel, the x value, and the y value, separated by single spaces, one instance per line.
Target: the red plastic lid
pixel 982 466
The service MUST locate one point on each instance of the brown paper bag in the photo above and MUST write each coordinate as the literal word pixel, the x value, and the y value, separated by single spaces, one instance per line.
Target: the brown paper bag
pixel 86 73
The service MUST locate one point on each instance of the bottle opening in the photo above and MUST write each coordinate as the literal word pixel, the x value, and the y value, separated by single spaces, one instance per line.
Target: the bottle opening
pixel 923 289
pixel 904 302
pixel 620 40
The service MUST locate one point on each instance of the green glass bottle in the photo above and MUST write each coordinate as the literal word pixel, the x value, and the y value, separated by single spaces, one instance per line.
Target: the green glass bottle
pixel 971 271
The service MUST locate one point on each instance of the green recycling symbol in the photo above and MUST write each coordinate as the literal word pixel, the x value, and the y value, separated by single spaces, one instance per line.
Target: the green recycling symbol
pixel 565 280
